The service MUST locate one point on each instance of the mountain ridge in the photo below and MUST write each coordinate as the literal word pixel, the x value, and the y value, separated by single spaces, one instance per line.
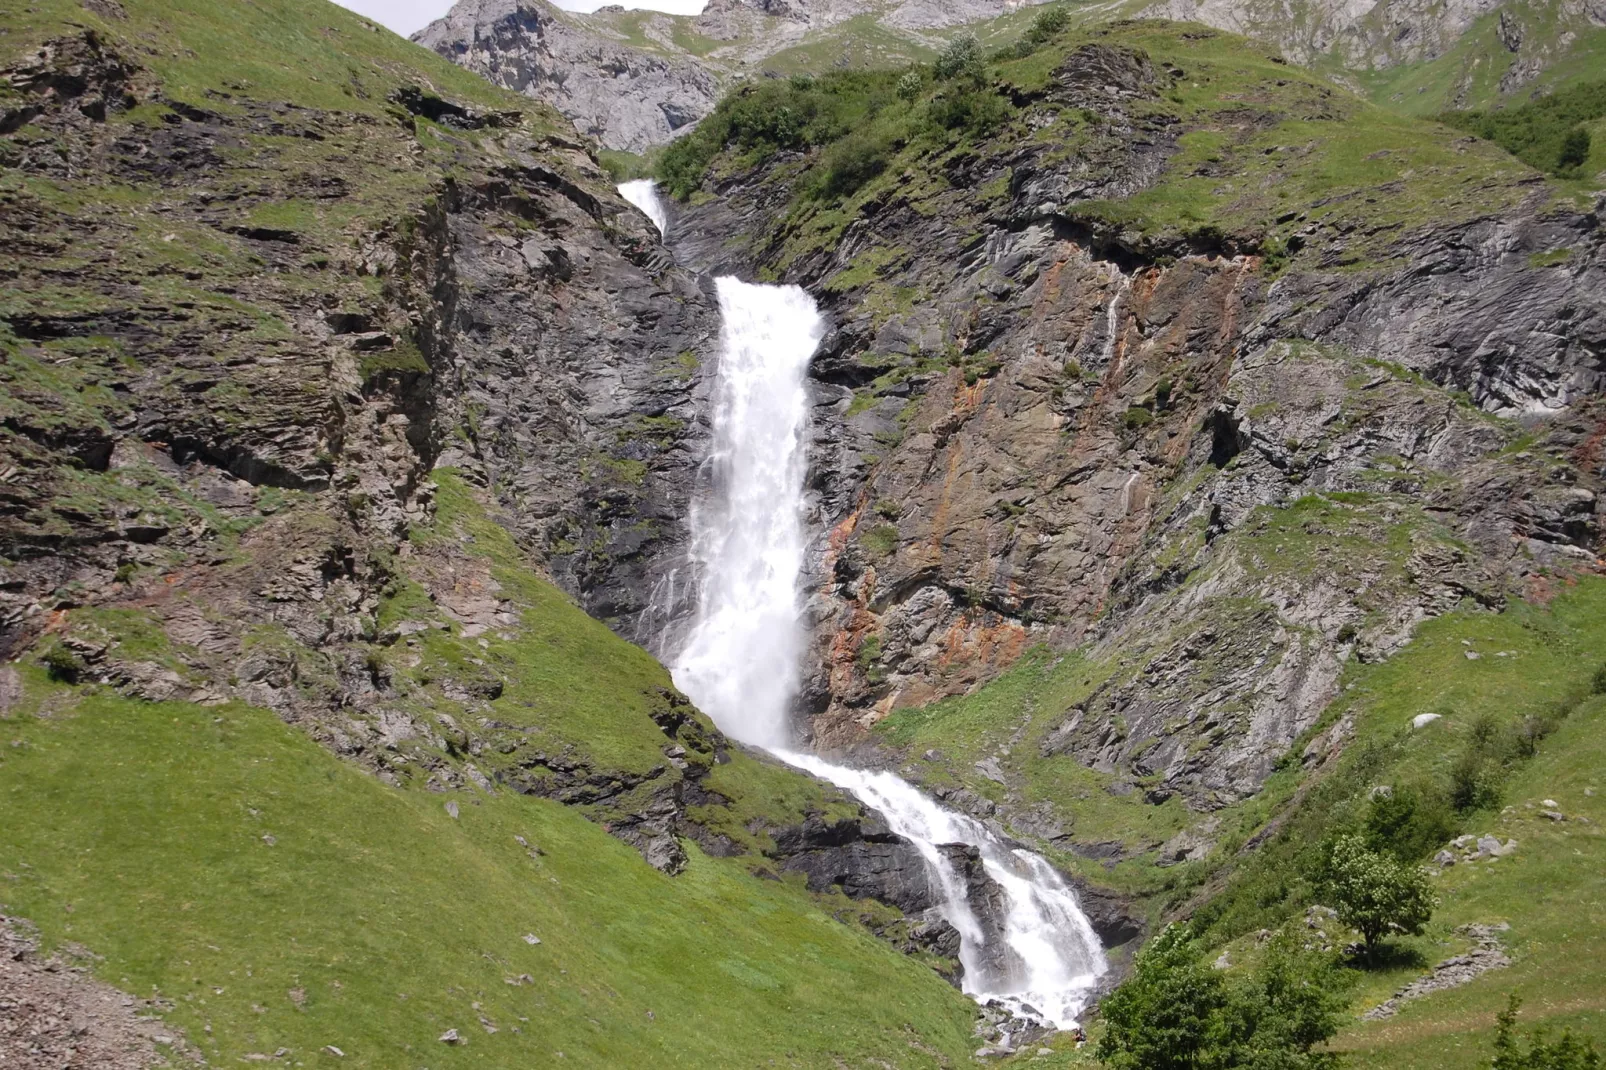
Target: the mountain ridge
pixel 1417 58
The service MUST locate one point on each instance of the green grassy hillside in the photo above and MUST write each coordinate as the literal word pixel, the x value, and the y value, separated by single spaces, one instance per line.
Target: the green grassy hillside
pixel 277 896
pixel 1531 708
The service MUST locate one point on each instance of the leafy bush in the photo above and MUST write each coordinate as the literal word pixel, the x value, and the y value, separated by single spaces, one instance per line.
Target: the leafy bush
pixel 1408 824
pixel 1167 1015
pixel 1375 894
pixel 1567 1053
pixel 1049 23
pixel 847 165
pixel 1543 133
pixel 1177 1013
pixel 1574 150
pixel 975 111
pixel 62 664
pixel 962 57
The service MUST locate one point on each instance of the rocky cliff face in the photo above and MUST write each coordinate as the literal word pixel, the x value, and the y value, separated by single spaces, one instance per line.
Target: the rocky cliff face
pixel 230 412
pixel 1222 477
pixel 627 98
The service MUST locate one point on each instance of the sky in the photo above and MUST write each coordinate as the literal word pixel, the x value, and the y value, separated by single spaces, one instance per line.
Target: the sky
pixel 407 17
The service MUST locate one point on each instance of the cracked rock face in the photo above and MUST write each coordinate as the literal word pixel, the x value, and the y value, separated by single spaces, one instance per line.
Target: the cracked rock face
pixel 626 98
pixel 1095 442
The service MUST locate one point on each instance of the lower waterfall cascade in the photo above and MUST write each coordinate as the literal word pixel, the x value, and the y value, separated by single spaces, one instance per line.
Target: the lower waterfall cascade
pixel 740 661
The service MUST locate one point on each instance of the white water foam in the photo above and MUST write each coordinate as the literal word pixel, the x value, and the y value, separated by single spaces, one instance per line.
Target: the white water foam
pixel 643 193
pixel 740 662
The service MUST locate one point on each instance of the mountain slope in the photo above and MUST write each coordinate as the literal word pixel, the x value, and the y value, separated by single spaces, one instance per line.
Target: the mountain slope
pixel 635 79
pixel 323 360
pixel 1170 392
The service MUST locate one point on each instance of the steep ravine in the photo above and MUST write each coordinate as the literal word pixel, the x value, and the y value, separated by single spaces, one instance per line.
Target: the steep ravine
pixel 329 407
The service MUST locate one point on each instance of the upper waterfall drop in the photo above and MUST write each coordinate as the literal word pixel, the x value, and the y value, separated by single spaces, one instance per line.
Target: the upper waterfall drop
pixel 643 193
pixel 740 662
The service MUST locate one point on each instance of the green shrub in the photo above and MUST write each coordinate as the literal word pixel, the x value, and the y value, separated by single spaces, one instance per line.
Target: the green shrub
pixel 962 57
pixel 62 664
pixel 1166 1016
pixel 1574 150
pixel 1177 1013
pixel 1567 1053
pixel 1049 23
pixel 847 165
pixel 1137 418
pixel 1408 824
pixel 973 110
pixel 1375 894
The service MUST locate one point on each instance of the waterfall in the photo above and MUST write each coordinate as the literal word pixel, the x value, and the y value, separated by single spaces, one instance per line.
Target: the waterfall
pixel 1112 321
pixel 1049 959
pixel 643 193
pixel 740 661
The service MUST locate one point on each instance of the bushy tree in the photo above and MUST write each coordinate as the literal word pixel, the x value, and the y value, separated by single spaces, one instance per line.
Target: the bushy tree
pixel 1291 1004
pixel 1574 149
pixel 1177 1013
pixel 1048 24
pixel 1568 1053
pixel 1376 894
pixel 961 57
pixel 1167 1016
pixel 1407 823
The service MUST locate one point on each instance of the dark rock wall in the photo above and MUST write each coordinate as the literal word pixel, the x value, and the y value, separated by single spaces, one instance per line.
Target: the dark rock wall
pixel 242 437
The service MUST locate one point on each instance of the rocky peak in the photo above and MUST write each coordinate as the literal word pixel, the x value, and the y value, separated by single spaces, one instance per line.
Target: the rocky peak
pixel 627 98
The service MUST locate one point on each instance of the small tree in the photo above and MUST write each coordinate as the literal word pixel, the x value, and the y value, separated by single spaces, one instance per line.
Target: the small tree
pixel 962 56
pixel 1574 149
pixel 1376 895
pixel 1048 24
pixel 1568 1053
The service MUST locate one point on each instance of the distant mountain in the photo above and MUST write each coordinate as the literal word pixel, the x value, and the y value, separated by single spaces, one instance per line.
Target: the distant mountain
pixel 636 79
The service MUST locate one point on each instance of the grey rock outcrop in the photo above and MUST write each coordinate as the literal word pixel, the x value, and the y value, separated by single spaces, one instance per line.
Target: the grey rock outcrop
pixel 627 98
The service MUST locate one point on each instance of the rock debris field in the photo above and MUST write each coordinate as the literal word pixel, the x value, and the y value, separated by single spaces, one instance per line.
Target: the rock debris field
pixel 54 1015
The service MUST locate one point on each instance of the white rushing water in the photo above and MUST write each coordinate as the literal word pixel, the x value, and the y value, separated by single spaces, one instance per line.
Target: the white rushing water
pixel 740 661
pixel 643 193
